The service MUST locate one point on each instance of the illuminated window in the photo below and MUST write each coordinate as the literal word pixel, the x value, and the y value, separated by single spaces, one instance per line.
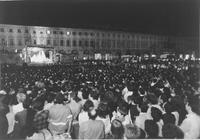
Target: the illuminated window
pixel 48 32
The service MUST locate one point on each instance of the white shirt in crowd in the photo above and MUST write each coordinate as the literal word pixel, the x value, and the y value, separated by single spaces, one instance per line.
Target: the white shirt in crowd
pixel 17 108
pixel 139 121
pixel 191 126
pixel 106 122
pixel 83 117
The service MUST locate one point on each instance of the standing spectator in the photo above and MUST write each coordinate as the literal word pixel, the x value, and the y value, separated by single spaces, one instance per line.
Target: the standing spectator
pixel 60 116
pixel 83 116
pixel 151 129
pixel 117 130
pixel 92 129
pixel 4 109
pixel 191 125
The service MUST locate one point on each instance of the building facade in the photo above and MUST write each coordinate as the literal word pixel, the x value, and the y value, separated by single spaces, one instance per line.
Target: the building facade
pixel 80 42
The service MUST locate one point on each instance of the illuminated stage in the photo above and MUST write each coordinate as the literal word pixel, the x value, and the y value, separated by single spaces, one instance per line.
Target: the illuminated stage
pixel 38 55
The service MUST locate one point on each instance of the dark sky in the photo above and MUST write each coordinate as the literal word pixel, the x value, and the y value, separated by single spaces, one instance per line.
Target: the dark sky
pixel 167 17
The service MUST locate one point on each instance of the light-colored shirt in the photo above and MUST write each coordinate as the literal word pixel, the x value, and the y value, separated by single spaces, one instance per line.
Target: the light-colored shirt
pixel 83 117
pixel 17 108
pixel 75 108
pixel 48 106
pixel 106 122
pixel 139 121
pixel 11 120
pixel 59 116
pixel 92 129
pixel 191 126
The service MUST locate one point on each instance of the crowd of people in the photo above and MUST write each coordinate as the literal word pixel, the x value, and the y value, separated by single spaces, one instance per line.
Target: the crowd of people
pixel 101 100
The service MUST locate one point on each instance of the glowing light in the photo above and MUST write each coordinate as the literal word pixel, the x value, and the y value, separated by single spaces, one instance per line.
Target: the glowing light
pixel 68 33
pixel 48 32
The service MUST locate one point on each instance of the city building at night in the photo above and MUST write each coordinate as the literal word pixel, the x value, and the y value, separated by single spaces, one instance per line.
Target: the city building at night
pixel 83 43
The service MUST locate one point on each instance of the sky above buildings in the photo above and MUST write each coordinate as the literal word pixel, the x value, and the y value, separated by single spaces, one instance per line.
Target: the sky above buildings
pixel 166 17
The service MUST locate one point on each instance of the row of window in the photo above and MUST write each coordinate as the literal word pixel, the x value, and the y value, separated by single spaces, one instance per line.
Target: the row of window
pixel 82 43
pixel 81 33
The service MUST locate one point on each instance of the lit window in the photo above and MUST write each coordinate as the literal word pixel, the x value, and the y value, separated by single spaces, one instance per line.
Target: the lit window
pixel 48 32
pixel 68 33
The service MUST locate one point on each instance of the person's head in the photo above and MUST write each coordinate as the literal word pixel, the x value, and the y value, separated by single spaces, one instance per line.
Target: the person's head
pixel 102 109
pixel 94 95
pixel 117 129
pixel 38 105
pixel 88 106
pixel 156 114
pixel 4 109
pixel 144 107
pixel 132 132
pixel 123 108
pixel 171 131
pixel 152 99
pixel 168 118
pixel 193 104
pixel 21 97
pixel 151 128
pixel 92 114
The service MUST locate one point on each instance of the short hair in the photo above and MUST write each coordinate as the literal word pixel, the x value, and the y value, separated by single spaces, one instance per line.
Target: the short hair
pixel 171 131
pixel 59 99
pixel 194 103
pixel 117 129
pixel 102 109
pixel 156 114
pixel 132 131
pixel 168 107
pixel 168 118
pixel 38 105
pixel 151 128
pixel 88 105
pixel 85 94
pixel 144 107
pixel 94 95
pixel 152 98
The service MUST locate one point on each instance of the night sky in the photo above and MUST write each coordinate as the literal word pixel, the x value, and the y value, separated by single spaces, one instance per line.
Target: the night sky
pixel 165 17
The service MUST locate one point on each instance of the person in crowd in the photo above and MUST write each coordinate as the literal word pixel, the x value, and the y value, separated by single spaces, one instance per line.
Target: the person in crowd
pixel 19 131
pixel 151 129
pixel 122 113
pixel 133 132
pixel 143 116
pixel 171 131
pixel 92 129
pixel 191 124
pixel 60 116
pixel 4 109
pixel 94 97
pixel 157 118
pixel 20 99
pixel 83 95
pixel 83 116
pixel 103 115
pixel 117 130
